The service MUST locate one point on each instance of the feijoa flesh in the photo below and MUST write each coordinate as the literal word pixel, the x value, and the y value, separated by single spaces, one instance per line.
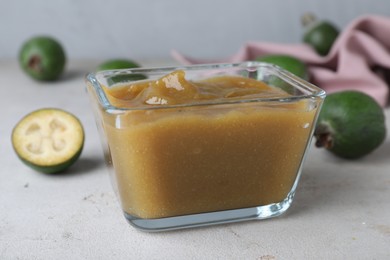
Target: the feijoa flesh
pixel 48 140
pixel 351 124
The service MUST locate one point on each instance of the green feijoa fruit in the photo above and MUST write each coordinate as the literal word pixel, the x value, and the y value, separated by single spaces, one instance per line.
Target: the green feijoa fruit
pixel 116 64
pixel 42 58
pixel 319 34
pixel 351 124
pixel 48 140
pixel 121 78
pixel 287 62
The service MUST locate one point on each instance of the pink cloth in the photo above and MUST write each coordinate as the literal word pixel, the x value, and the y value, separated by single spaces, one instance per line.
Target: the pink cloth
pixel 364 43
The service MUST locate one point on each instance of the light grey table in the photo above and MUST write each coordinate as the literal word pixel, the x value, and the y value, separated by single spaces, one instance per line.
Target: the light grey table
pixel 341 209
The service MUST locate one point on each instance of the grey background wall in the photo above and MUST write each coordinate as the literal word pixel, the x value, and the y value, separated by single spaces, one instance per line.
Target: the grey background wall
pixel 150 29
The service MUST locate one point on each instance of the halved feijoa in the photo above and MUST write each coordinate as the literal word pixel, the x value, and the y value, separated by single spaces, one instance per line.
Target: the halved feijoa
pixel 48 140
pixel 351 124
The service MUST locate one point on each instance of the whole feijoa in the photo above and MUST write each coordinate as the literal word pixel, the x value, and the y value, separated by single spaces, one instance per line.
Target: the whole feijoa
pixel 351 124
pixel 321 35
pixel 287 62
pixel 43 58
pixel 117 64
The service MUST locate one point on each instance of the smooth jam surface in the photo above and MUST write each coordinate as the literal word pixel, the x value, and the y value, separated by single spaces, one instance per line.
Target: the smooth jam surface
pixel 174 89
pixel 179 161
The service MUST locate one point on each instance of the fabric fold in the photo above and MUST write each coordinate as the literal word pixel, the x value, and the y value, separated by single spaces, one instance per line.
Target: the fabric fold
pixel 362 46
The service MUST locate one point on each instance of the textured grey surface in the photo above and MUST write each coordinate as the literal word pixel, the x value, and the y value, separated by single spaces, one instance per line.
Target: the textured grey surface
pixel 341 210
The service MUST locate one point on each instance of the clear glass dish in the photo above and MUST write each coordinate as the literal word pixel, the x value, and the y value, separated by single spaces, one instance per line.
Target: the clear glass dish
pixel 210 161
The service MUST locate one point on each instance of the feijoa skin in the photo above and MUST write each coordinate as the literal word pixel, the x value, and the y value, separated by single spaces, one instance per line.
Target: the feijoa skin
pixel 287 62
pixel 43 58
pixel 320 35
pixel 351 124
pixel 116 64
pixel 48 140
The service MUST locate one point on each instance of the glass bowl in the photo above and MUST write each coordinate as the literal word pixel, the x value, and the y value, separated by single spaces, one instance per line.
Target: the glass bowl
pixel 209 161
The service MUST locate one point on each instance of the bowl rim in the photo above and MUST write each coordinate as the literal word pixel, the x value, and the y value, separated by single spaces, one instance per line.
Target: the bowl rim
pixel 309 90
